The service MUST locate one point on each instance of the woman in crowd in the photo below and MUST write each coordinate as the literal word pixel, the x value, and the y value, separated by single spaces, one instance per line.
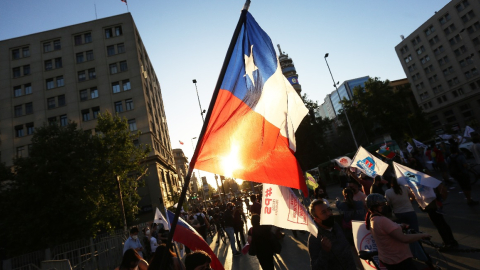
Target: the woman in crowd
pixel 132 261
pixel 173 263
pixel 238 226
pixel 398 197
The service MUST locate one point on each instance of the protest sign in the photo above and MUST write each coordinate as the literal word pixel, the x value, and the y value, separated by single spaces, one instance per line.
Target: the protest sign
pixel 363 239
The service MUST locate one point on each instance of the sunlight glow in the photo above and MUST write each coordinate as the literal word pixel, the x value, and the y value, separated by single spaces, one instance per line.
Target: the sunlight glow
pixel 231 163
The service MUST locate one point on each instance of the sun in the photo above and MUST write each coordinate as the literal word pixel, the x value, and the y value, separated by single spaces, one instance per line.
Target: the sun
pixel 231 162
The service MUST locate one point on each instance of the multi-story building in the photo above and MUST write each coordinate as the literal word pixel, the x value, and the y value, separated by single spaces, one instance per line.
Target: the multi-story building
pixel 288 70
pixel 74 73
pixel 440 59
pixel 181 163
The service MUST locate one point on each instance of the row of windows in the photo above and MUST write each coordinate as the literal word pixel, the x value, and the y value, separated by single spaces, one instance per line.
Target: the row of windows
pixel 49 64
pixel 21 71
pixel 86 75
pixel 128 105
pixel 86 116
pixel 23 130
pixel 111 49
pixel 55 102
pixel 84 56
pixel 21 90
pixel 20 53
pixel 50 46
pixel 114 67
pixel 19 111
pixel 85 96
pixel 54 82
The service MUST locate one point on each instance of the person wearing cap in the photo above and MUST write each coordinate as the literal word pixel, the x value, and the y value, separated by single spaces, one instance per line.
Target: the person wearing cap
pixel 392 244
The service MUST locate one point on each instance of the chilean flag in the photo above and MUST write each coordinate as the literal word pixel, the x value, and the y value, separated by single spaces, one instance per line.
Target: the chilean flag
pixel 250 133
pixel 185 234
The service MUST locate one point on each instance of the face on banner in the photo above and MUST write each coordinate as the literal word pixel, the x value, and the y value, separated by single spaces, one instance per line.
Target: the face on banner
pixel 363 239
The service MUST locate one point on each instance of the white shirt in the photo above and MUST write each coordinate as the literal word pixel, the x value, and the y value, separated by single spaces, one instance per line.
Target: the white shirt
pixel 400 202
pixel 153 244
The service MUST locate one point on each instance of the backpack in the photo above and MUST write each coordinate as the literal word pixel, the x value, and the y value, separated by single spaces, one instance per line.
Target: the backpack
pixel 200 219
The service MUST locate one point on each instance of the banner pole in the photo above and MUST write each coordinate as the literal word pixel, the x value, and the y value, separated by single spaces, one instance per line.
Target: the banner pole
pixel 199 142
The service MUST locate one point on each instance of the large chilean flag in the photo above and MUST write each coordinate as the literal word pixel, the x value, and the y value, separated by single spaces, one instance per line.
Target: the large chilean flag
pixel 250 133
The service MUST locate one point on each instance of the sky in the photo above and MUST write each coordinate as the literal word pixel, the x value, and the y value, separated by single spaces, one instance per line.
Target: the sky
pixel 188 39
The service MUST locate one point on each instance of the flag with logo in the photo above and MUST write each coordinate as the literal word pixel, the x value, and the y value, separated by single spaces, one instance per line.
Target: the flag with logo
pixel 385 152
pixel 421 184
pixel 251 123
pixel 187 235
pixel 282 208
pixel 419 144
pixel 364 240
pixel 368 163
pixel 468 130
pixel 160 219
pixel 311 182
pixel 343 162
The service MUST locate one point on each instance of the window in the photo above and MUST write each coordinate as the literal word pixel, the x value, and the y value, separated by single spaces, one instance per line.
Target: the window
pixel 132 124
pixel 419 86
pixel 95 112
pixel 448 71
pixel 47 47
pixel 434 40
pixel 416 40
pixel 58 62
pixel 89 55
pixel 412 67
pixel 427 105
pixel 408 58
pixel 60 81
pixel 123 66
pixel 449 29
pixel 453 82
pixel 91 74
pixel 443 60
pixel 118 107
pixel 108 33
pixel 80 58
pixel 26 51
pixel 115 87
pixel 120 48
pixel 449 116
pixel 403 50
pixel 21 151
pixel 118 31
pixel 457 38
pixel 16 72
pixel 83 95
pixel 17 91
pixel 57 45
pixel 30 128
pixel 61 100
pixel 19 131
pixel 424 95
pixel 113 68
pixel 78 40
pixel 437 89
pixel 16 54
pixel 420 50
pixel 48 65
pixel 471 73
pixel 110 50
pixel 460 50
pixel 476 41
pixel 126 85
pixel 445 19
pixel 52 120
pixel 457 92
pixel 416 76
pixel 433 79
pixel 51 103
pixel 86 115
pixel 81 76
pixel 425 59
pixel 29 108
pixel 441 99
pixel 26 70
pixel 28 89
pixel 18 110
pixel 50 84
pixel 429 30
pixel 129 104
pixel 88 37
pixel 428 69
pixel 93 93
pixel 63 120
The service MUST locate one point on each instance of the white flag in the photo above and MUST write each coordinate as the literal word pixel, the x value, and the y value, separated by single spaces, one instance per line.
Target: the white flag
pixel 468 130
pixel 363 239
pixel 343 162
pixel 282 208
pixel 421 184
pixel 419 144
pixel 409 147
pixel 368 163
pixel 445 136
pixel 159 218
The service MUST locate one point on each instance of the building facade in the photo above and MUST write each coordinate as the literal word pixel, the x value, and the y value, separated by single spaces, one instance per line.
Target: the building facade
pixel 72 74
pixel 288 70
pixel 181 163
pixel 441 60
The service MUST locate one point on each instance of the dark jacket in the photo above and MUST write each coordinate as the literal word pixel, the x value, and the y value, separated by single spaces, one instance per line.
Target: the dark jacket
pixel 228 218
pixel 339 257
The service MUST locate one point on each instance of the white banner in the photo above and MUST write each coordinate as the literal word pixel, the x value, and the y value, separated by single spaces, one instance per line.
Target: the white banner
pixel 343 162
pixel 282 208
pixel 468 130
pixel 421 184
pixel 363 239
pixel 160 219
pixel 419 144
pixel 368 163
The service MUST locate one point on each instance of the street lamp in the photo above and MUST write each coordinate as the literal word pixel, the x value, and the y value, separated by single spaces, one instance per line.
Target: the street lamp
pixel 340 99
pixel 199 104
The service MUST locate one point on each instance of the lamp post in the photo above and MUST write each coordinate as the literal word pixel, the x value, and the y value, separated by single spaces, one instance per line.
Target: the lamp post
pixel 340 99
pixel 199 104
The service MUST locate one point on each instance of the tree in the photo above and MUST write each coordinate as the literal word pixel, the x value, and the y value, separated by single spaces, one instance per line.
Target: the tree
pixel 65 189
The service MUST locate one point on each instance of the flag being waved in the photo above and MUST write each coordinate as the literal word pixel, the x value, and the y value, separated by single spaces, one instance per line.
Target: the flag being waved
pixel 180 142
pixel 251 124
pixel 282 208
pixel 185 234
pixel 311 182
pixel 468 130
pixel 419 144
pixel 421 184
pixel 160 219
pixel 368 163
pixel 343 162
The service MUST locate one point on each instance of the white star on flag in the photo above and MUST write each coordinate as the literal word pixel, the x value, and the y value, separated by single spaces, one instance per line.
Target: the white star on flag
pixel 250 65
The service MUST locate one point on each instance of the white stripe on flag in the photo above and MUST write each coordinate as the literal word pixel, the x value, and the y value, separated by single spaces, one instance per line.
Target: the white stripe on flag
pixel 368 163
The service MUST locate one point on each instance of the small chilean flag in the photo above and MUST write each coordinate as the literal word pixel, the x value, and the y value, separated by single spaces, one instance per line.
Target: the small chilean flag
pixel 180 142
pixel 250 133
pixel 125 1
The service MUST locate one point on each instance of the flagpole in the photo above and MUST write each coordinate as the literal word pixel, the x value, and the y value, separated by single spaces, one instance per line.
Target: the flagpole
pixel 204 128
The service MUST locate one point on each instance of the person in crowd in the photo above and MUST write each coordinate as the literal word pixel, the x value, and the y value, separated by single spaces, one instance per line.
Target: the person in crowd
pixel 351 210
pixel 247 205
pixel 398 197
pixel 131 260
pixel 262 243
pixel 238 226
pixel 154 230
pixel 229 228
pixel 475 148
pixel 357 194
pixel 377 186
pixel 256 206
pixel 343 177
pixel 441 164
pixel 173 263
pixel 133 242
pixel 153 243
pixel 203 222
pixel 146 242
pixel 458 169
pixel 320 195
pixel 330 249
pixel 363 180
pixel 392 244
pixel 198 260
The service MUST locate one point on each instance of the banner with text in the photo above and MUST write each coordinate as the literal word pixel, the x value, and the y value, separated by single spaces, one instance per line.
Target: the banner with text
pixel 282 208
pixel 363 239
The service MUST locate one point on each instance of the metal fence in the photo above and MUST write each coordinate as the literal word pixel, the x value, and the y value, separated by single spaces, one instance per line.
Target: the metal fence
pixel 102 252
